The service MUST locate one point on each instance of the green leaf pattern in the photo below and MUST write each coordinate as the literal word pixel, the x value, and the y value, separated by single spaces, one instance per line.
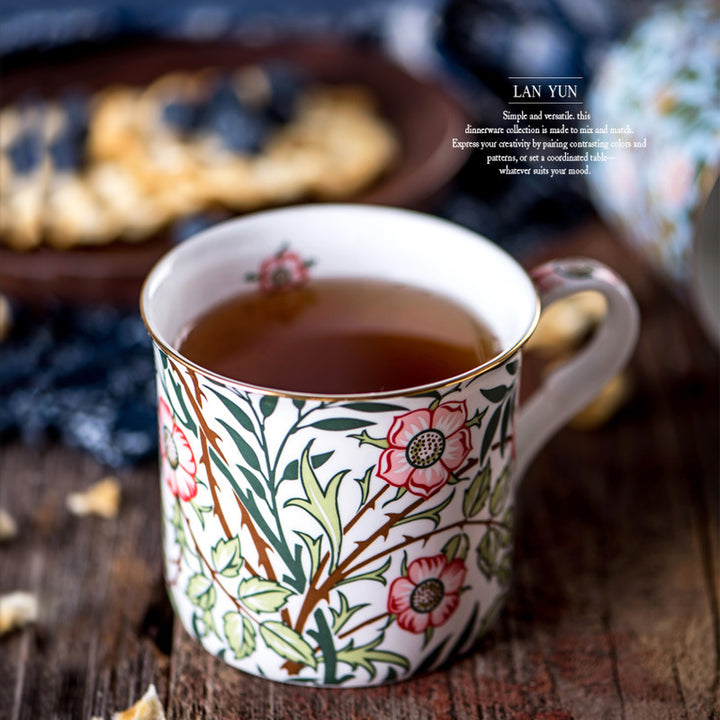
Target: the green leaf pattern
pixel 201 591
pixel 226 557
pixel 240 634
pixel 321 504
pixel 344 613
pixel 263 596
pixel 366 656
pixel 284 520
pixel 287 643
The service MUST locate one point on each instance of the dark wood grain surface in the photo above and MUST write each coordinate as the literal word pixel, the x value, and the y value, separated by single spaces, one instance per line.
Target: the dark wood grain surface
pixel 614 608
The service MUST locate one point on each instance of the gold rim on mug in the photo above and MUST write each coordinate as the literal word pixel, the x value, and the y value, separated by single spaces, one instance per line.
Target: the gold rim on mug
pixel 418 390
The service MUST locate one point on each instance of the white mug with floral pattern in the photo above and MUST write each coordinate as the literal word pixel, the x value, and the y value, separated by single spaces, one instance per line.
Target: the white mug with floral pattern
pixel 355 540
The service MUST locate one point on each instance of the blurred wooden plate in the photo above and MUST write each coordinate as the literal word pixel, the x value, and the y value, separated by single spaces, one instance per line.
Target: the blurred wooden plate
pixel 425 115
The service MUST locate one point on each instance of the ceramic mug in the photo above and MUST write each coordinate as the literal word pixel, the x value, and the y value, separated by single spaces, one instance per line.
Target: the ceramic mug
pixel 355 540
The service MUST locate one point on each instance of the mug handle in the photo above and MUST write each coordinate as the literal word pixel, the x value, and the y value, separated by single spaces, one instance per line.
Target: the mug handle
pixel 575 383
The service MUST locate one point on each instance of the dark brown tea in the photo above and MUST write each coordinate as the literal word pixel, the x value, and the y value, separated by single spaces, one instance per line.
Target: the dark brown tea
pixel 339 337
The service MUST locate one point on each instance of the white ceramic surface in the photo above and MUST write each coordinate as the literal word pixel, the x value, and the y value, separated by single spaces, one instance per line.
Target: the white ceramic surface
pixel 355 540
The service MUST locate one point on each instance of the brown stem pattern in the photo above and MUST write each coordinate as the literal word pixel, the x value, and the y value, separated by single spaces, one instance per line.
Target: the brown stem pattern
pixel 497 444
pixel 207 564
pixel 362 625
pixel 469 464
pixel 261 547
pixel 410 540
pixel 293 668
pixel 207 434
pixel 315 595
pixel 366 507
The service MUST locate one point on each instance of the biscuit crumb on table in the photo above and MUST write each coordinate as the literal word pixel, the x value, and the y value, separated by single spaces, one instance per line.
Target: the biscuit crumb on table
pixel 126 161
pixel 8 526
pixel 147 708
pixel 102 498
pixel 17 609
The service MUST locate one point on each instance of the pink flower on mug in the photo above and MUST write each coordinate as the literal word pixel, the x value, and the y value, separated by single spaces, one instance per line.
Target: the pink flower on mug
pixel 428 595
pixel 545 277
pixel 425 447
pixel 283 271
pixel 177 458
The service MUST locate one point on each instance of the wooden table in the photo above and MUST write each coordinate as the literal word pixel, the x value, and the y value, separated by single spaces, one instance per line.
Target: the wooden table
pixel 614 611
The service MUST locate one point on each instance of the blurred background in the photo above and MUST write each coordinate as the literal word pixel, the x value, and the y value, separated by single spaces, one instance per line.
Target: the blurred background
pixel 126 127
pixel 75 364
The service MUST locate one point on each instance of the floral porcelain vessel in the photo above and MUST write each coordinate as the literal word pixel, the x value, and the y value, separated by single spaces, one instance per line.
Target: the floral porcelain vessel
pixel 663 83
pixel 349 541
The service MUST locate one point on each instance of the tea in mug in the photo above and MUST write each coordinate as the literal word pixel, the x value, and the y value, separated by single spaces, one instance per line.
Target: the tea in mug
pixel 338 337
